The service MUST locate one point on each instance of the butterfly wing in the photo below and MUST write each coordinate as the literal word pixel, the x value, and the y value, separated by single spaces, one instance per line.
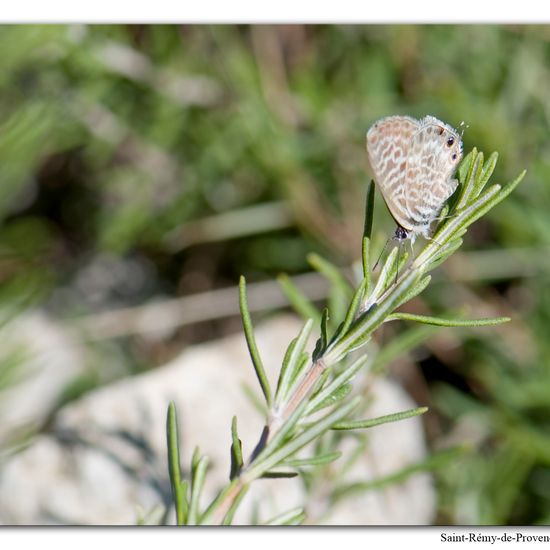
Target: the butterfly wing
pixel 435 151
pixel 388 146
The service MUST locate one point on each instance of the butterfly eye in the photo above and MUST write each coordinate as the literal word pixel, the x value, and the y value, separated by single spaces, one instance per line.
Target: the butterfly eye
pixel 450 142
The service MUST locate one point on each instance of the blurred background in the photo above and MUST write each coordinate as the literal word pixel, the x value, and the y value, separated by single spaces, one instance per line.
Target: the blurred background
pixel 144 168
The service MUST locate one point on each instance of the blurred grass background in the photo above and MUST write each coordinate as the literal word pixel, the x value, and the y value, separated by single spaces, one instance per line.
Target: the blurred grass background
pixel 140 163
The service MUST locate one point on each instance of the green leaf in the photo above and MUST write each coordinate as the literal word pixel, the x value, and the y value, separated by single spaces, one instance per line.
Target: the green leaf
pixel 320 383
pixel 322 343
pixel 399 264
pixel 155 516
pixel 339 394
pixel 324 328
pixel 441 322
pixel 416 290
pixel 236 451
pixel 367 233
pixel 195 460
pixel 445 252
pixel 330 389
pixel 365 254
pixel 278 475
pixel 317 460
pixel 228 519
pixel 179 488
pixel 292 517
pixel 251 342
pixel 370 423
pixel 486 173
pixel 197 484
pixel 353 308
pixel 228 489
pixel 301 304
pixel 467 190
pixel 291 362
pixel 494 195
pixel 369 214
pixel 386 274
pixel 464 218
pixel 464 170
pixel 303 362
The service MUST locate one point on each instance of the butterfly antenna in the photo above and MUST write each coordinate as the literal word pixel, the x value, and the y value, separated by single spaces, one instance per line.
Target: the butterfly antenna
pixel 463 127
pixel 382 253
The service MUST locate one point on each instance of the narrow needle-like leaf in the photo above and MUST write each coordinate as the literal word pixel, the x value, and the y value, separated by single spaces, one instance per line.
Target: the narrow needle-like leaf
pixel 317 460
pixel 353 309
pixel 336 384
pixel 236 451
pixel 228 519
pixel 292 517
pixel 291 362
pixel 213 507
pixel 338 394
pixel 468 189
pixel 197 484
pixel 322 343
pixel 416 290
pixel 179 489
pixel 279 475
pixel 466 165
pixel 370 423
pixel 251 342
pixel 441 322
pixel 367 233
pixel 369 211
pixel 386 275
pixel 486 173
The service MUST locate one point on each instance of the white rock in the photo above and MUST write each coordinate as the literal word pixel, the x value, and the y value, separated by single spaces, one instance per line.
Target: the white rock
pixel 47 359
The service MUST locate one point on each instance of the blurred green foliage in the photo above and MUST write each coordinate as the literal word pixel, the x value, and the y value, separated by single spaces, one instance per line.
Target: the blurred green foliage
pixel 122 148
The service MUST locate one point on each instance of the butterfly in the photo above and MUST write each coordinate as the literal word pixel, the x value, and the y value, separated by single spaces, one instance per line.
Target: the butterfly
pixel 413 163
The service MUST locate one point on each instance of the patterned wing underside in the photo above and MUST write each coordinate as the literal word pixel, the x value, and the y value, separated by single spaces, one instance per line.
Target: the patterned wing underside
pixel 428 175
pixel 388 147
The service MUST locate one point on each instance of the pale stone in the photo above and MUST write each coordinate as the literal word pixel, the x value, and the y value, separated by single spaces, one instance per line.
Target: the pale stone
pixel 106 456
pixel 47 360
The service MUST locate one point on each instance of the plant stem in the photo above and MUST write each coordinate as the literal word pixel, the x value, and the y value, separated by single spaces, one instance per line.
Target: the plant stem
pixel 303 390
pixel 300 393
pixel 226 502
